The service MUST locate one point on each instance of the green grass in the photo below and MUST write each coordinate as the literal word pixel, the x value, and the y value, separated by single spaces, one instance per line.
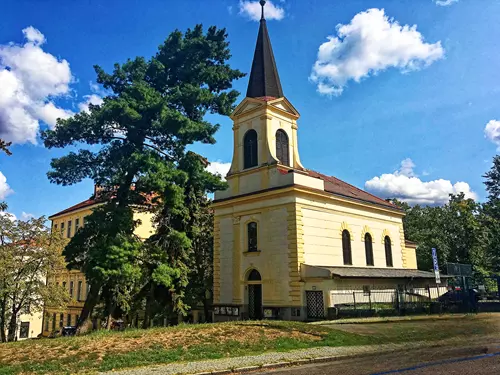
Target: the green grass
pixel 98 352
pixel 105 351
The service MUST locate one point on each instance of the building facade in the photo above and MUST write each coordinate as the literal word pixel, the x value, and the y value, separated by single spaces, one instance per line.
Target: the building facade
pixel 68 222
pixel 287 237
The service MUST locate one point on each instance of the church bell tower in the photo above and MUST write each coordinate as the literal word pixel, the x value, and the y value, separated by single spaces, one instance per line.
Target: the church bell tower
pixel 265 126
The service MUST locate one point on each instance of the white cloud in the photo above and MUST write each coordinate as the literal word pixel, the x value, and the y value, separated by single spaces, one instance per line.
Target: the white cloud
pixel 8 215
pixel 219 167
pixel 253 10
pixel 404 185
pixel 26 216
pixel 30 79
pixel 90 99
pixel 492 131
pixel 372 42
pixel 445 3
pixel 4 187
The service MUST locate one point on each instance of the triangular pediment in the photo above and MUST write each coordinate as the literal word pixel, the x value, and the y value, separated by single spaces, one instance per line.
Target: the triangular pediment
pixel 284 105
pixel 247 105
pixel 251 104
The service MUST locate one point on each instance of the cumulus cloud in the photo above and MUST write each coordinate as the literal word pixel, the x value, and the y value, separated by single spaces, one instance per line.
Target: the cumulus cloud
pixel 371 43
pixel 4 187
pixel 445 3
pixel 27 216
pixel 90 99
pixel 404 185
pixel 219 167
pixel 492 131
pixel 30 79
pixel 253 10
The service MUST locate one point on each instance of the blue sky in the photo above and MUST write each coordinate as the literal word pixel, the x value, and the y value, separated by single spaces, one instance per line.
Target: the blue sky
pixel 402 99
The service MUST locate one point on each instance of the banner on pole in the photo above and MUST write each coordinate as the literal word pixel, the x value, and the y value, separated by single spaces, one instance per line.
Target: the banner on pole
pixel 436 266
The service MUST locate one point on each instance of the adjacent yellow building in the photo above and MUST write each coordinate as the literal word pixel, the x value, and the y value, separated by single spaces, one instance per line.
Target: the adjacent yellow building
pixel 68 222
pixel 288 239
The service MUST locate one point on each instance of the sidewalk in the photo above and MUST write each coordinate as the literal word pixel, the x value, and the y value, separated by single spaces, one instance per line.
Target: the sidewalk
pixel 272 360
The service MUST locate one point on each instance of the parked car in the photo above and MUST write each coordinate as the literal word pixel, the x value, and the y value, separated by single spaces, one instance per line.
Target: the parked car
pixel 68 331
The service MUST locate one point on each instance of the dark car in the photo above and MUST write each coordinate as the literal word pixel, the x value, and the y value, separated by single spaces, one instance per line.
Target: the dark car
pixel 68 331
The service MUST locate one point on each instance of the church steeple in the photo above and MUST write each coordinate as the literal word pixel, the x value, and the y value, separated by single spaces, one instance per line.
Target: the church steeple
pixel 264 79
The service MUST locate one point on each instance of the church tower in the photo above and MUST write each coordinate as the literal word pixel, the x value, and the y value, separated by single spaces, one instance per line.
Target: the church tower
pixel 282 231
pixel 265 124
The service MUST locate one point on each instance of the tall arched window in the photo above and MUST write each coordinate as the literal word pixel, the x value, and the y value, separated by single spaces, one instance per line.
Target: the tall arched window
pixel 252 236
pixel 388 251
pixel 254 275
pixel 282 147
pixel 250 149
pixel 346 247
pixel 369 250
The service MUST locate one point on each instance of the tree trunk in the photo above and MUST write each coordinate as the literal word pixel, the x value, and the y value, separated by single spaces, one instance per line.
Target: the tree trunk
pixel 12 327
pixel 149 306
pixel 206 310
pixel 84 323
pixel 2 322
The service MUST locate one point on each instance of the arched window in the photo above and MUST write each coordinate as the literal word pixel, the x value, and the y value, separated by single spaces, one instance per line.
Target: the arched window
pixel 369 249
pixel 250 149
pixel 346 247
pixel 282 147
pixel 388 251
pixel 254 275
pixel 252 236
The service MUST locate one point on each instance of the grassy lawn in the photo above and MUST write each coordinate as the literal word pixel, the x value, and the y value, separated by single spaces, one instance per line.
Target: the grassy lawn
pixel 103 351
pixel 428 328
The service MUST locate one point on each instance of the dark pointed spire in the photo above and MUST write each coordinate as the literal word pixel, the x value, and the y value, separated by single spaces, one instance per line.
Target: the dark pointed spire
pixel 264 78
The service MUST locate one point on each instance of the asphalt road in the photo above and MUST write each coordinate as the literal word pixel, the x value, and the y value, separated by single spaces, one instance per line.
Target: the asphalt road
pixel 463 361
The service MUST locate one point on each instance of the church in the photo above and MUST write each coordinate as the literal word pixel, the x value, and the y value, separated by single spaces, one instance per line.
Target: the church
pixel 288 240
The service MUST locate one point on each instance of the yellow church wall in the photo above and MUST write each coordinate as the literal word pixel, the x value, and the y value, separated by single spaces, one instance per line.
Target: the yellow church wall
pixel 323 238
pixel 146 227
pixel 411 258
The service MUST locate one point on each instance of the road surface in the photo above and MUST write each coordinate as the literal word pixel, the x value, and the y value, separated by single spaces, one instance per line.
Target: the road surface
pixel 462 361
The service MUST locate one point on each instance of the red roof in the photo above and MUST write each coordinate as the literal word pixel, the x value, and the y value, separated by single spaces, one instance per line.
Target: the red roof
pixel 84 204
pixel 338 187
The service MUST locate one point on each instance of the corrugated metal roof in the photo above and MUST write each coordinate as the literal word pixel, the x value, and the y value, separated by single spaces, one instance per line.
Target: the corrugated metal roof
pixel 369 272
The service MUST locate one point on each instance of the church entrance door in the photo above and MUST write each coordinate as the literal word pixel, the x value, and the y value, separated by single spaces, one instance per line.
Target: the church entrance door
pixel 255 301
pixel 254 281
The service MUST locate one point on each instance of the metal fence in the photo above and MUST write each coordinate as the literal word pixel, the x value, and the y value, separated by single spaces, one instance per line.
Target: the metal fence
pixel 385 302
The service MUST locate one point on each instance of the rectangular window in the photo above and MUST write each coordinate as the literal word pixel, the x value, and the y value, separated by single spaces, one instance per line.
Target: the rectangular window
pixel 54 322
pixel 62 229
pixel 87 290
pixel 79 291
pixel 24 331
pixel 68 323
pixel 69 229
pixel 76 319
pixel 55 228
pixel 47 323
pixel 77 224
pixel 61 320
pixel 71 284
pixel 64 285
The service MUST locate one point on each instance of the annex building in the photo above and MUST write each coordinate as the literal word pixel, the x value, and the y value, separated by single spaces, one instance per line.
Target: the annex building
pixel 288 241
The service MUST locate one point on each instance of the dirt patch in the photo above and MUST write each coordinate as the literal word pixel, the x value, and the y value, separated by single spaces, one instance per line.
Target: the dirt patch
pixel 99 345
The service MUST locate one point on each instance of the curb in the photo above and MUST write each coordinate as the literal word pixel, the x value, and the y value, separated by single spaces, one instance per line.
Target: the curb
pixel 300 362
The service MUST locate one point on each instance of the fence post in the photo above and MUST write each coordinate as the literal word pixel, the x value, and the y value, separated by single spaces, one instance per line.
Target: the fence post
pixel 354 298
pixel 370 300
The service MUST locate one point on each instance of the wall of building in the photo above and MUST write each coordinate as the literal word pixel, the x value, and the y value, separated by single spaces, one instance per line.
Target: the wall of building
pixel 324 222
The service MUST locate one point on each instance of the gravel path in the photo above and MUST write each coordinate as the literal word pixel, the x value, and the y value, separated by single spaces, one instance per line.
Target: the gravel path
pixel 291 357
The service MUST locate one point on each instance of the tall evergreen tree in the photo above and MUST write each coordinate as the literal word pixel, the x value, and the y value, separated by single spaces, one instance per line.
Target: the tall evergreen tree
pixel 156 109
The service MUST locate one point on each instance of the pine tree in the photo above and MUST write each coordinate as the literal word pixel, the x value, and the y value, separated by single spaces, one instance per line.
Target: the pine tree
pixel 156 109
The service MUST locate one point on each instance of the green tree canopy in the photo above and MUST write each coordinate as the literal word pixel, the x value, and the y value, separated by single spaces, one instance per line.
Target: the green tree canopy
pixel 155 109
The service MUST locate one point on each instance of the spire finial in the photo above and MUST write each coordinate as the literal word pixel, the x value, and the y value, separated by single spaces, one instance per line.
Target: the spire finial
pixel 262 4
